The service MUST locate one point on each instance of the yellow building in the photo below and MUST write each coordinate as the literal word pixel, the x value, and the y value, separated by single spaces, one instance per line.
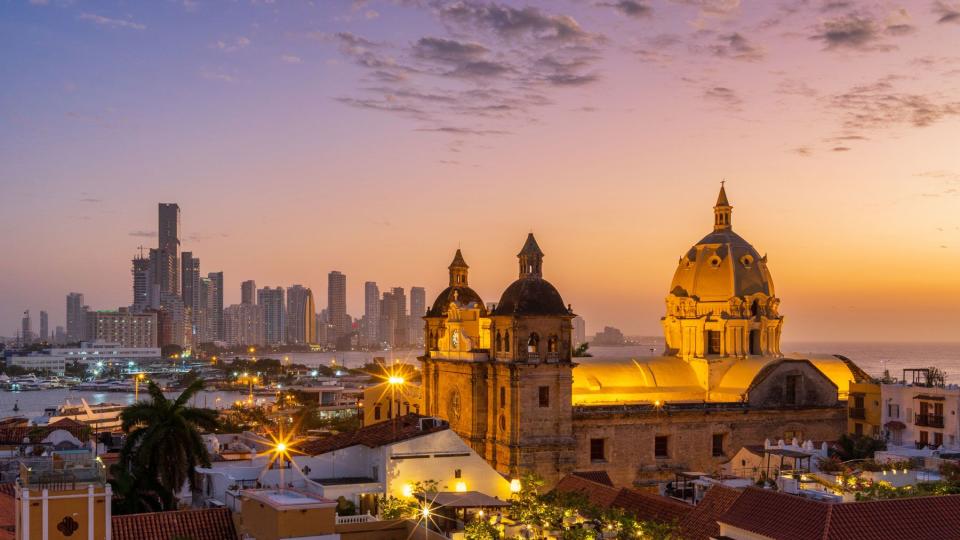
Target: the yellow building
pixel 62 499
pixel 864 409
pixel 278 514
pixel 384 401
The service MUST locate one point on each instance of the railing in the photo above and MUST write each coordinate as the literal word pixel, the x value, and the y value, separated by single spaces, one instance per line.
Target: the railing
pixel 57 475
pixel 360 518
pixel 858 413
pixel 929 420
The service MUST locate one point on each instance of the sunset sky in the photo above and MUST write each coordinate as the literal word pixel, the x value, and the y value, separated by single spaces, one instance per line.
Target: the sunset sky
pixel 376 137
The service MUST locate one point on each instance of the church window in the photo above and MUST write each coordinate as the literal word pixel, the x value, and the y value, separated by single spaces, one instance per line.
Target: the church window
pixel 503 423
pixel 376 412
pixel 718 445
pixel 499 341
pixel 503 397
pixel 598 450
pixel 754 342
pixel 544 396
pixel 506 341
pixel 713 342
pixel 533 343
pixel 755 308
pixel 660 446
pixel 790 393
pixel 553 344
pixel 457 473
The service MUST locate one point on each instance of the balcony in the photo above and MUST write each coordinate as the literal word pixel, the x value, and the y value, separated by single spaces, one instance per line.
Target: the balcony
pixel 928 420
pixel 858 413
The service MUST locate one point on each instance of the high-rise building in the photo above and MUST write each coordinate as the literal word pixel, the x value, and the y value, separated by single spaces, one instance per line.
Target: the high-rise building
pixel 371 313
pixel 418 308
pixel 189 279
pixel 202 321
pixel 337 305
pixel 579 331
pixel 244 325
pixel 173 322
pixel 168 249
pixel 216 308
pixel 402 336
pixel 248 292
pixel 141 284
pixel 59 336
pixel 300 315
pixel 323 327
pixel 274 314
pixel 26 328
pixel 44 327
pixel 393 320
pixel 123 327
pixel 76 326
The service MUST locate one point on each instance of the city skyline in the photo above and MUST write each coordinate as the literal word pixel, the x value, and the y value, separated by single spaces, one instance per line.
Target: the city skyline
pixel 832 122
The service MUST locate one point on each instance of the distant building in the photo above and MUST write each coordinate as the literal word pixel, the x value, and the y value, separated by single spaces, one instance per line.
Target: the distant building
pixel 37 362
pixel 167 257
pixel 26 328
pixel 392 318
pixel 274 314
pixel 200 314
pixel 216 307
pixel 337 304
pixel 248 292
pixel 140 271
pixel 59 336
pixel 190 282
pixel 44 327
pixel 371 313
pixel 76 326
pixel 173 322
pixel 609 336
pixel 300 315
pixel 244 325
pixel 123 327
pixel 579 331
pixel 382 403
pixel 418 308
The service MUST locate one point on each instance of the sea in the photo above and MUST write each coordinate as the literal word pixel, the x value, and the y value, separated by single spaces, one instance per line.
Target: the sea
pixel 872 357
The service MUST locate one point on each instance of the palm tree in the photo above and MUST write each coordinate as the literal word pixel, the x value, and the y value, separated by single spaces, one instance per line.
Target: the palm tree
pixel 163 437
pixel 138 492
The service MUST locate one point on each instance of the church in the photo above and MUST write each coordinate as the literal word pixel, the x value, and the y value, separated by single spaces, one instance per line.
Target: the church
pixel 505 378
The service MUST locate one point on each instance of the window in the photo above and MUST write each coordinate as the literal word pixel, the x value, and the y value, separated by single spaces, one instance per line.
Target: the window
pixel 553 344
pixel 790 392
pixel 533 344
pixel 660 448
pixel 791 435
pixel 376 412
pixel 893 410
pixel 376 472
pixel 754 342
pixel 858 429
pixel 924 437
pixel 597 450
pixel 857 402
pixel 937 438
pixel 457 473
pixel 499 341
pixel 544 396
pixel 717 444
pixel 713 342
pixel 506 341
pixel 503 397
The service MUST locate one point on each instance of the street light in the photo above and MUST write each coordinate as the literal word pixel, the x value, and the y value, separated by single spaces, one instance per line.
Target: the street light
pixel 136 386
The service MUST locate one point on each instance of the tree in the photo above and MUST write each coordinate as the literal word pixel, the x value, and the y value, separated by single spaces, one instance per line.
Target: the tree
pixel 137 491
pixel 164 437
pixel 850 447
pixel 582 350
pixel 480 529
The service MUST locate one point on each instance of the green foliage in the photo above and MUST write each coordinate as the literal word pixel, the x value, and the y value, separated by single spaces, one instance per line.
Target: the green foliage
pixel 850 447
pixel 480 529
pixel 163 437
pixel 831 465
pixel 396 508
pixel 582 351
pixel 242 418
pixel 138 491
pixel 345 507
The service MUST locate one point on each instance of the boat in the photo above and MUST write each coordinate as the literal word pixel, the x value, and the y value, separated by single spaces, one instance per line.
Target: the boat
pixel 101 417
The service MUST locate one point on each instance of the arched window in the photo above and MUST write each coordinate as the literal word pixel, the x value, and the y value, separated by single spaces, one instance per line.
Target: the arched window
pixel 755 308
pixel 553 344
pixel 533 344
pixel 506 341
pixel 499 342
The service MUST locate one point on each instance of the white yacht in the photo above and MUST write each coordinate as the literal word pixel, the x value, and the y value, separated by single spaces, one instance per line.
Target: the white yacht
pixel 101 417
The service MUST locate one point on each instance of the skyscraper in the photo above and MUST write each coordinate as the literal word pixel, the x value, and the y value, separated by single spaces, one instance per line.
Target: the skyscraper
pixel 127 329
pixel 579 331
pixel 244 324
pixel 248 292
pixel 173 325
pixel 168 249
pixel 26 328
pixel 337 305
pixel 44 327
pixel 274 314
pixel 301 316
pixel 141 284
pixel 216 308
pixel 371 313
pixel 75 322
pixel 189 279
pixel 202 321
pixel 418 308
pixel 389 319
pixel 402 332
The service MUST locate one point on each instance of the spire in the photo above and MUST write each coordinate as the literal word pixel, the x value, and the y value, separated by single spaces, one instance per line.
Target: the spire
pixel 531 258
pixel 722 211
pixel 458 271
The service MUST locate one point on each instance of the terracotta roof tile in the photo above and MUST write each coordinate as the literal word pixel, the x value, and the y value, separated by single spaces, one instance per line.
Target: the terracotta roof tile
pixel 600 477
pixel 16 433
pixel 7 511
pixel 644 506
pixel 207 524
pixel 778 515
pixel 701 522
pixel 373 436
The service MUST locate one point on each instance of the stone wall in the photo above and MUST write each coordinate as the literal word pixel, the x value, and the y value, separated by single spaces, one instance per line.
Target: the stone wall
pixel 811 388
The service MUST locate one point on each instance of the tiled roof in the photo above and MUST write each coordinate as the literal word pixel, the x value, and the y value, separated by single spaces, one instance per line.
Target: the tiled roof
pixel 7 511
pixel 373 436
pixel 644 506
pixel 701 522
pixel 207 524
pixel 15 434
pixel 600 477
pixel 788 517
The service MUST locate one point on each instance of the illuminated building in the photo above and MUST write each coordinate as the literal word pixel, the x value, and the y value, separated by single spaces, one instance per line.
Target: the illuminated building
pixel 301 316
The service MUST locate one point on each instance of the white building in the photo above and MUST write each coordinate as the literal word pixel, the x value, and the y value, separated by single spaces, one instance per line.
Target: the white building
pixel 920 416
pixel 89 353
pixel 39 362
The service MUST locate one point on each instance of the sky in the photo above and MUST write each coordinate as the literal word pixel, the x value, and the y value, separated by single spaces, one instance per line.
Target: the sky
pixel 377 137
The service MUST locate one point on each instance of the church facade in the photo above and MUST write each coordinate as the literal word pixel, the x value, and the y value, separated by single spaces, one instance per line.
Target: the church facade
pixel 507 382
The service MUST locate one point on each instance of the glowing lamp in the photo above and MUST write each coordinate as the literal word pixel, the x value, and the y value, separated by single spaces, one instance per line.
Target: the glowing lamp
pixel 281 447
pixel 407 490
pixel 395 379
pixel 461 486
pixel 515 485
pixel 425 512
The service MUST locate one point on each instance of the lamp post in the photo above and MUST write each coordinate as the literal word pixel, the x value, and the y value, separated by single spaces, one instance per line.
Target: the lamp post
pixel 136 386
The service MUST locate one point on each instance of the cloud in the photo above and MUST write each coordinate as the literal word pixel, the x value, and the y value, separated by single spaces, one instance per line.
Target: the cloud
pixel 290 59
pixel 217 75
pixel 112 23
pixel 724 96
pixel 737 47
pixel 143 234
pixel 513 23
pixel 712 7
pixel 630 8
pixel 39 2
pixel 795 87
pixel 91 200
pixel 802 151
pixel 386 104
pixel 879 105
pixel 464 131
pixel 840 149
pixel 860 32
pixel 235 45
pixel 948 13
